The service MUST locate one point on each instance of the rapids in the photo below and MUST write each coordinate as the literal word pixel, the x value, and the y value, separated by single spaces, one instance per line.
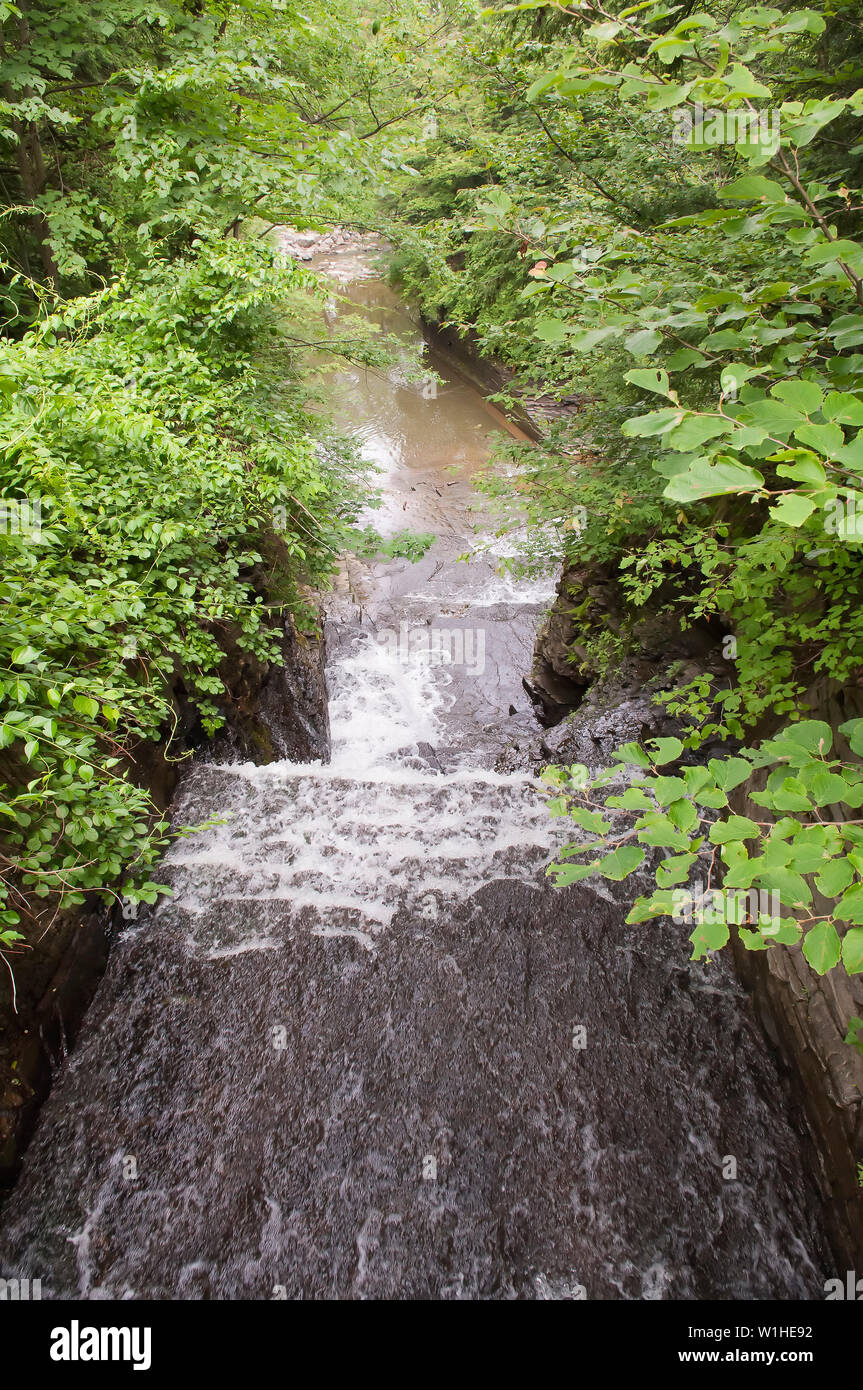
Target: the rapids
pixel 365 1050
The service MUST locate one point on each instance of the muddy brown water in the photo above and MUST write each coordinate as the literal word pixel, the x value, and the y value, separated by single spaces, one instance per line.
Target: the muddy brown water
pixel 366 1051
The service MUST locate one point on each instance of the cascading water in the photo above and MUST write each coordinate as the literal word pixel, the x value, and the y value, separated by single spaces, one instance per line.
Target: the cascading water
pixel 365 1050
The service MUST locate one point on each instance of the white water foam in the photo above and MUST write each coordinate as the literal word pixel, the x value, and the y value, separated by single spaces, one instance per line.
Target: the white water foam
pixel 346 846
pixel 380 704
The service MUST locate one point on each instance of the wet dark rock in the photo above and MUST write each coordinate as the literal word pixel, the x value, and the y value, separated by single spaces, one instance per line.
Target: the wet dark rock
pixel 54 982
pixel 804 1015
pixel 436 1125
pixel 277 711
pixel 654 651
pixel 283 713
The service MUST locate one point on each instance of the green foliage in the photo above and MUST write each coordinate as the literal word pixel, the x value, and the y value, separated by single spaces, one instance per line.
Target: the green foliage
pixel 404 545
pixel 152 425
pixel 167 497
pixel 649 214
pixel 854 1036
pixel 792 876
pixel 667 236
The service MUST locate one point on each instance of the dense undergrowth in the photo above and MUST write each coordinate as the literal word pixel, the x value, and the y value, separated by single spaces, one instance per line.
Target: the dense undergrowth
pixel 153 426
pixel 649 212
pixel 170 492
pixel 653 210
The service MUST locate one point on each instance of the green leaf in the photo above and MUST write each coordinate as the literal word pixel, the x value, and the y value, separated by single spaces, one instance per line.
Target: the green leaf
pixel 800 394
pixel 800 741
pixel 649 380
pixel 551 331
pixel 675 869
pixel 827 439
pixel 843 409
pixel 838 250
pixel 683 815
pixel 730 772
pixel 708 936
pixel 834 878
pixel 854 1036
pixel 822 947
pixel 633 753
pixel 853 731
pixel 565 874
pixel 633 799
pixel 706 479
pixel 642 344
pixel 734 828
pixel 659 830
pixel 850 907
pixel 664 750
pixel 695 430
pixel 657 422
pixel 792 509
pixel 22 656
pixel 828 788
pixel 668 789
pixel 659 904
pixel 621 862
pixel 852 951
pixel 82 704
pixel 591 821
pixel 754 186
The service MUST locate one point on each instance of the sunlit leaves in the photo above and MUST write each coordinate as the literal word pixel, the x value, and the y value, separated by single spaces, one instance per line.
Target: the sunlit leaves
pixel 705 478
pixel 822 947
pixel 762 882
pixel 164 446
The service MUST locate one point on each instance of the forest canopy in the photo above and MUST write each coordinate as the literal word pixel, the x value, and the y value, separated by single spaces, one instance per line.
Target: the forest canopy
pixel 651 211
pixel 169 497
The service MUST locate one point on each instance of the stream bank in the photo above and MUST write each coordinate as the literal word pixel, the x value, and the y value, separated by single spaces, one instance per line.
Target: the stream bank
pixel 270 711
pixel 589 712
pixel 366 1050
pixel 805 1016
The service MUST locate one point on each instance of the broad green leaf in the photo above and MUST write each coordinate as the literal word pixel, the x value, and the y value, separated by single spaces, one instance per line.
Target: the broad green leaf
pixel 834 878
pixel 551 331
pixel 850 907
pixel 792 509
pixel 730 772
pixel 822 947
pixel 734 828
pixel 754 186
pixel 675 869
pixel 852 950
pixel 649 380
pixel 706 479
pixel 708 936
pixel 642 344
pixel 621 862
pixel 633 753
pixel 664 750
pixel 802 395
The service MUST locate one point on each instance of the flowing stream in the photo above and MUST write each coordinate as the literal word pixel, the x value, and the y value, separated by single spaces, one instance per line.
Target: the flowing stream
pixel 365 1050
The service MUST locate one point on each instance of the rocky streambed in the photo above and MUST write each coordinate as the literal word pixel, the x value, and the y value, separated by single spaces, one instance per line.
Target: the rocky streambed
pixel 366 1050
